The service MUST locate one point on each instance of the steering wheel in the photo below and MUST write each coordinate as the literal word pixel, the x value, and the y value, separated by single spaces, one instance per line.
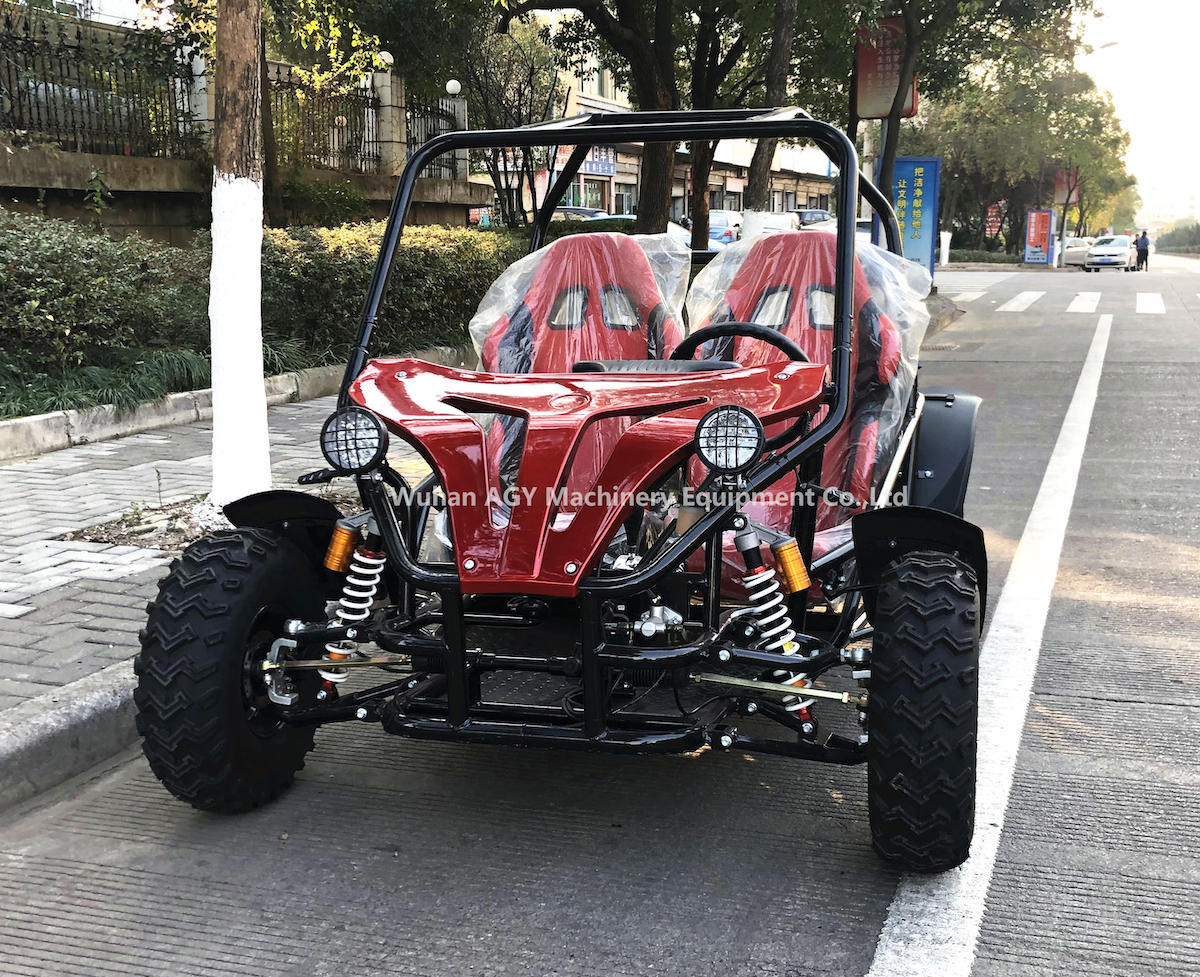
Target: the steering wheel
pixel 751 330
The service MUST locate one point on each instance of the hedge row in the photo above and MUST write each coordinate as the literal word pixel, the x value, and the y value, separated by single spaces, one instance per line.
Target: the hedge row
pixel 87 319
pixel 990 257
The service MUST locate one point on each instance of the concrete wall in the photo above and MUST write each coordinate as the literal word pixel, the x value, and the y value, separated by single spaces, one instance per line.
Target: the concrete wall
pixel 167 200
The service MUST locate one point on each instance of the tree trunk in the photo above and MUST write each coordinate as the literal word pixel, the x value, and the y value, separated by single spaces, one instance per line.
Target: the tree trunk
pixel 241 449
pixel 654 197
pixel 702 159
pixel 783 29
pixel 272 191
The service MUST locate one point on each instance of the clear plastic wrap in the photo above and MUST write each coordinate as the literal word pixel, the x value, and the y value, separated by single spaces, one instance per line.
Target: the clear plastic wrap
pixel 602 296
pixel 786 281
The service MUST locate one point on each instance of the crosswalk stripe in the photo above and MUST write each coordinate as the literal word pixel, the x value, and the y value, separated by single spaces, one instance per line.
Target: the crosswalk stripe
pixel 1150 303
pixel 1084 302
pixel 1021 302
pixel 966 296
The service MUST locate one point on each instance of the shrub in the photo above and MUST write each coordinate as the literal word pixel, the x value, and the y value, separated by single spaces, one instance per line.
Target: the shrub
pixel 326 204
pixel 85 319
pixel 71 297
pixel 993 257
pixel 315 280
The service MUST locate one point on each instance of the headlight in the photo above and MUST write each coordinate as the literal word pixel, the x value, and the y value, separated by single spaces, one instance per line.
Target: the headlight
pixel 729 439
pixel 353 440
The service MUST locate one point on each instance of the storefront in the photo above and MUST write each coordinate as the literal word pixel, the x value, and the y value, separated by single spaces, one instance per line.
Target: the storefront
pixel 593 187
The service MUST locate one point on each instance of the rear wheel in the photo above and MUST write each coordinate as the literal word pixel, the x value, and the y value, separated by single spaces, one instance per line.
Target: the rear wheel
pixel 210 732
pixel 923 712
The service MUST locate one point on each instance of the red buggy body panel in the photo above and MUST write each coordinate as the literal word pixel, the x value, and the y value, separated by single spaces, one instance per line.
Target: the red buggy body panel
pixel 534 549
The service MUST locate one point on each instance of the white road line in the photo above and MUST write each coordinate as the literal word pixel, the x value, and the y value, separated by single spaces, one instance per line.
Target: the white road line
pixel 1084 302
pixel 1020 302
pixel 1150 303
pixel 933 922
pixel 966 296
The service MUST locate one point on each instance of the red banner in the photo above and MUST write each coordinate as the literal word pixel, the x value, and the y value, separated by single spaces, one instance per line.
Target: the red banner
pixel 877 60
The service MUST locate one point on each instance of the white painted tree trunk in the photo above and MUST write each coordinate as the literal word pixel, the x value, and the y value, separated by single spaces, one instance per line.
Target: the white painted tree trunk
pixel 241 458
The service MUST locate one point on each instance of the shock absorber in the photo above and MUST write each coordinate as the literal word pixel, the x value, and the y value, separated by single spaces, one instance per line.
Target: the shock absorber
pixel 766 596
pixel 358 594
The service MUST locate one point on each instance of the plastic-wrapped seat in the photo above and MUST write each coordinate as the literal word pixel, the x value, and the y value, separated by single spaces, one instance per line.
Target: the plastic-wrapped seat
pixel 786 281
pixel 585 297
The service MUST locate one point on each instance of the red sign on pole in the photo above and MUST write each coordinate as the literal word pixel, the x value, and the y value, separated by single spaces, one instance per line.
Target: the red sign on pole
pixel 877 59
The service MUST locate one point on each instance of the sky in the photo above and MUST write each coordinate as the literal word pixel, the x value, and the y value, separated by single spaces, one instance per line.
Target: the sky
pixel 1147 55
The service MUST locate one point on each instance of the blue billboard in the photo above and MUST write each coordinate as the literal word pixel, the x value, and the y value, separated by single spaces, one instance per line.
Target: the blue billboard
pixel 915 185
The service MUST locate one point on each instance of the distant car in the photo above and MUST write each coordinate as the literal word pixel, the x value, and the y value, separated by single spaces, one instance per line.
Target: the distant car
pixel 724 226
pixel 578 213
pixel 1112 251
pixel 1074 251
pixel 862 228
pixel 623 224
pixel 769 222
pixel 813 216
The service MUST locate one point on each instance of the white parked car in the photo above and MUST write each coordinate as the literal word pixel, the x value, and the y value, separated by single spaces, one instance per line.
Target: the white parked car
pixel 1113 251
pixel 769 222
pixel 1075 250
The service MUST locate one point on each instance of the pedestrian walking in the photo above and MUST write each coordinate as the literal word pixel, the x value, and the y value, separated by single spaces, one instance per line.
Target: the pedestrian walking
pixel 1143 250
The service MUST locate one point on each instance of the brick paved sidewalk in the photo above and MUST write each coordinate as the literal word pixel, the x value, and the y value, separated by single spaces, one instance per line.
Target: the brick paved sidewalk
pixel 67 608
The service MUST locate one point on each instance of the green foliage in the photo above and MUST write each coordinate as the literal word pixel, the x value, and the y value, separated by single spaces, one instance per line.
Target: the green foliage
pixel 324 203
pixel 990 257
pixel 1183 238
pixel 70 296
pixel 97 194
pixel 314 280
pixel 86 320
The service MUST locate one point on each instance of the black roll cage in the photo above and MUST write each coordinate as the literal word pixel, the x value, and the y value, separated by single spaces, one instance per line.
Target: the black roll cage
pixel 446 704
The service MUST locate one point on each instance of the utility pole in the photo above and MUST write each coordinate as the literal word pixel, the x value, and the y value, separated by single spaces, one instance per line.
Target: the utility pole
pixel 241 458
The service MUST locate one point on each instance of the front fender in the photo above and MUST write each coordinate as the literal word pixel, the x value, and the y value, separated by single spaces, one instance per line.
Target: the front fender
pixel 305 520
pixel 943 450
pixel 882 536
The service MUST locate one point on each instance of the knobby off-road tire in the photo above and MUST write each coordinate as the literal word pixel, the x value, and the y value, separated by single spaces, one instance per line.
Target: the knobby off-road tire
pixel 210 734
pixel 923 712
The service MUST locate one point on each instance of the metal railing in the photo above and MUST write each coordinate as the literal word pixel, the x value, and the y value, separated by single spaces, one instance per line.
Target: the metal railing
pixel 92 89
pixel 323 129
pixel 423 122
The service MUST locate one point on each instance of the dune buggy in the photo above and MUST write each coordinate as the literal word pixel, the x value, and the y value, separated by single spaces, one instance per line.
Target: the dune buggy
pixel 622 545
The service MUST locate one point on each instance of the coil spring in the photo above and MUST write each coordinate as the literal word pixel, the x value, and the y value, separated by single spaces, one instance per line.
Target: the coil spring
pixel 774 621
pixel 358 594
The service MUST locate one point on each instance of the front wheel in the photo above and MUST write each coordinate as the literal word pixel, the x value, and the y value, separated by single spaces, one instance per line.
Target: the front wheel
pixel 209 730
pixel 923 712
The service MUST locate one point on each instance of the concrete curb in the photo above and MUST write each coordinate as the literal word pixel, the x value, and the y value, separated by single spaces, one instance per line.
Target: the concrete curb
pixel 24 437
pixel 51 737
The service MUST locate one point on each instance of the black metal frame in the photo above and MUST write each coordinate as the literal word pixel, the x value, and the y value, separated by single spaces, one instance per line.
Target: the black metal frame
pixel 446 702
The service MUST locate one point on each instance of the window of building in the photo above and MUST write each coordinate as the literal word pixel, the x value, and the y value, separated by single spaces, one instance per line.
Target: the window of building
pixel 733 201
pixel 776 201
pixel 624 198
pixel 789 201
pixel 595 193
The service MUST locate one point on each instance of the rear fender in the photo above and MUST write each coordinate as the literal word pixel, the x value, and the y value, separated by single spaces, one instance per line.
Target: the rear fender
pixel 883 536
pixel 943 448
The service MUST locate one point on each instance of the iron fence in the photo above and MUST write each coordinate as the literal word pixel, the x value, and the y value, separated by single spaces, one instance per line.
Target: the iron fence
pixel 324 129
pixel 96 89
pixel 423 122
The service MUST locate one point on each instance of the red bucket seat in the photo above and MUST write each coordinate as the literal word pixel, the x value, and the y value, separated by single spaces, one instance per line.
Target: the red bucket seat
pixel 584 297
pixel 786 281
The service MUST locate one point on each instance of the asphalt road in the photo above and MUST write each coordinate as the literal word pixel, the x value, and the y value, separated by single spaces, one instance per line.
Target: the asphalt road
pixel 424 859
